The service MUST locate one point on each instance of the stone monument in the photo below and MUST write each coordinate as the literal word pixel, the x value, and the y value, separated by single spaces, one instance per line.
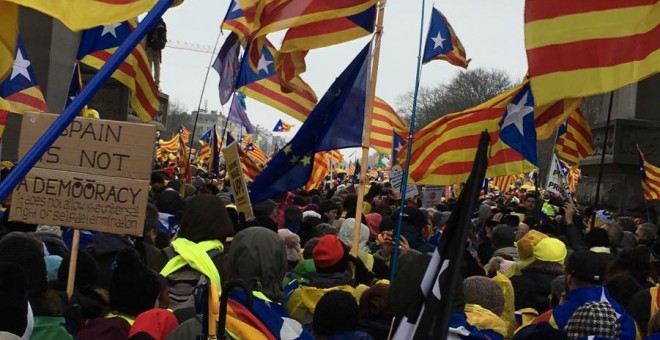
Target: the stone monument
pixel 635 121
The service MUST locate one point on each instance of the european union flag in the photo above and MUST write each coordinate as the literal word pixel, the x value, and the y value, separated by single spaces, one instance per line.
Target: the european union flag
pixel 397 144
pixel 331 125
pixel 517 129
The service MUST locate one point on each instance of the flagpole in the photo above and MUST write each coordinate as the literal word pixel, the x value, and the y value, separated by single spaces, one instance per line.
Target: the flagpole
pixel 646 205
pixel 406 169
pixel 199 105
pixel 366 132
pixel 66 117
pixel 602 159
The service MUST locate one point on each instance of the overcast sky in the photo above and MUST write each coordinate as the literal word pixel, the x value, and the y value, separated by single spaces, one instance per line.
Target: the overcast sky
pixel 491 32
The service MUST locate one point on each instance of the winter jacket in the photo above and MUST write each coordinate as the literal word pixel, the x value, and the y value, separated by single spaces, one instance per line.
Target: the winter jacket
pixel 49 328
pixel 303 300
pixel 540 274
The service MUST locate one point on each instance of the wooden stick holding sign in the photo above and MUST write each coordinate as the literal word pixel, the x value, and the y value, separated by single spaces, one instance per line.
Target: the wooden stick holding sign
pixel 237 180
pixel 73 263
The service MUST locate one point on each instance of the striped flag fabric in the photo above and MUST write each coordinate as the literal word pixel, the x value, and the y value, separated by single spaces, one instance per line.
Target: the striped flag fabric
pixel 583 48
pixel 239 20
pixel 97 46
pixel 21 89
pixel 442 152
pixel 272 16
pixel 82 14
pixel 650 175
pixel 8 36
pixel 442 43
pixel 205 150
pixel 250 169
pixel 254 151
pixel 282 126
pixel 320 169
pixel 548 118
pixel 171 145
pixel 385 119
pixel 290 60
pixel 264 86
pixel 183 160
pixel 185 134
pixel 505 182
pixel 428 315
pixel 574 140
pixel 572 175
pixel 351 168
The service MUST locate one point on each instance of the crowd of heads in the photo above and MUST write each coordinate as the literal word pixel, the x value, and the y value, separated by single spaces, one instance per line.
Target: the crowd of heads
pixel 533 268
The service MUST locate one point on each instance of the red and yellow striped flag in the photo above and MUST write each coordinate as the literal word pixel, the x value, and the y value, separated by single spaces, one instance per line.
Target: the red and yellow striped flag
pixel 351 169
pixel 574 141
pixel 581 48
pixel 504 182
pixel 650 175
pixel 250 169
pixel 320 169
pixel 444 150
pixel 134 72
pixel 82 14
pixel 8 36
pixel 171 145
pixel 384 120
pixel 254 151
pixel 572 176
pixel 185 134
pixel 297 104
pixel 273 16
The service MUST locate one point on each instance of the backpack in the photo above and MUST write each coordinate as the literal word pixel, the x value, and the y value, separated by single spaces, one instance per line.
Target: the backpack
pixel 157 37
pixel 184 282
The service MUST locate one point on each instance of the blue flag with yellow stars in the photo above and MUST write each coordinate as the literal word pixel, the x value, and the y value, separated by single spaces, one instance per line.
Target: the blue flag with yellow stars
pixel 335 123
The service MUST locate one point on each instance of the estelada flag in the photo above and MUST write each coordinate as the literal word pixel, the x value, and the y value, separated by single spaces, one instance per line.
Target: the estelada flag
pixel 21 89
pixel 582 48
pixel 443 151
pixel 442 43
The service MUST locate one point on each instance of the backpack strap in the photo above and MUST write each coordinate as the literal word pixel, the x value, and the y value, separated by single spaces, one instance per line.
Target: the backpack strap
pixel 170 253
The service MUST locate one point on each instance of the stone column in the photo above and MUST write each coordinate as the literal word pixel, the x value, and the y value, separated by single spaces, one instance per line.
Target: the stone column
pixel 635 121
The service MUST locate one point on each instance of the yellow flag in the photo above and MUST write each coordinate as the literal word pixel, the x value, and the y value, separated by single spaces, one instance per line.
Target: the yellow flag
pixel 8 36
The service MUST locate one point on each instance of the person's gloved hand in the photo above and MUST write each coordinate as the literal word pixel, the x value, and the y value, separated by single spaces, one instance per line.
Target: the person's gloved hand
pixel 362 274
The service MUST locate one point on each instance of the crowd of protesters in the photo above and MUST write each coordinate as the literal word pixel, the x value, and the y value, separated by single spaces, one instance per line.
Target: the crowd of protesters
pixel 534 268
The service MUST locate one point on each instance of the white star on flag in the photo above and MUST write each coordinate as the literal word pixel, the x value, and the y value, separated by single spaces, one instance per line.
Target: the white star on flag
pixel 263 64
pixel 20 66
pixel 110 29
pixel 517 112
pixel 438 41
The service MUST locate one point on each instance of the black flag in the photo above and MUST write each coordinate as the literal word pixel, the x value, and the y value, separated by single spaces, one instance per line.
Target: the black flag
pixel 429 314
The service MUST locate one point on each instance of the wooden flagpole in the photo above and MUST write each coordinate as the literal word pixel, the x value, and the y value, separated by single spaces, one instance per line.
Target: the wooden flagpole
pixel 366 134
pixel 73 263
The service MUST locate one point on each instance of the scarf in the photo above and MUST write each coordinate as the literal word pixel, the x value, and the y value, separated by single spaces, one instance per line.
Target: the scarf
pixel 195 255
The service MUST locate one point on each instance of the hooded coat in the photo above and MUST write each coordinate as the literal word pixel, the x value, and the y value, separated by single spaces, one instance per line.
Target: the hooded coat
pixel 258 256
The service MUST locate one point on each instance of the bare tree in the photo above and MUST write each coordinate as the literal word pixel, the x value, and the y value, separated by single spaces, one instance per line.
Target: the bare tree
pixel 467 89
pixel 176 116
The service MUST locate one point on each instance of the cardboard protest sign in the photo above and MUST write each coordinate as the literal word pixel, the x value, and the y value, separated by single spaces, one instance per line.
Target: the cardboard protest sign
pixel 95 176
pixel 556 183
pixel 237 180
pixel 396 177
pixel 432 196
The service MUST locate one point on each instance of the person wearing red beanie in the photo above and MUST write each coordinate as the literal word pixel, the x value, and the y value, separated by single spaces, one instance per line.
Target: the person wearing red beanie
pixel 331 259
